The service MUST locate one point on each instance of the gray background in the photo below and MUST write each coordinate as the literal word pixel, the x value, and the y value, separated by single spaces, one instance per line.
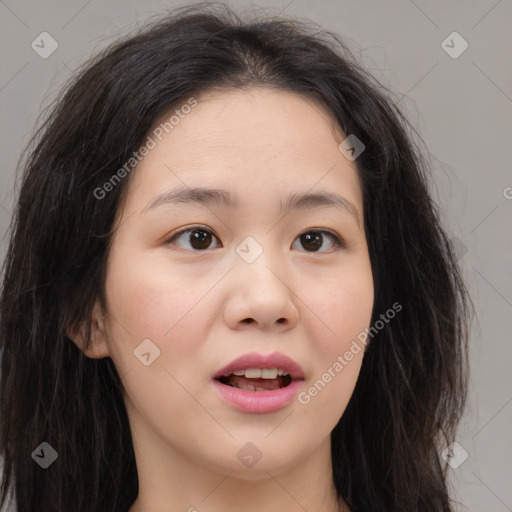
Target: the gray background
pixel 461 106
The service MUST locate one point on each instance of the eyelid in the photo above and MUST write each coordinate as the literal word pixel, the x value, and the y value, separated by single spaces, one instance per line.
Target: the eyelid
pixel 338 240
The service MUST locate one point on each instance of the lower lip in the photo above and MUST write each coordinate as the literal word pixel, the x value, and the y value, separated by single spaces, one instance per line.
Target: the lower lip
pixel 258 401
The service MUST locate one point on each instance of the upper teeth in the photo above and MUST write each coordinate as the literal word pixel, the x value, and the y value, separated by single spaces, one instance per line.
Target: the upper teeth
pixel 260 373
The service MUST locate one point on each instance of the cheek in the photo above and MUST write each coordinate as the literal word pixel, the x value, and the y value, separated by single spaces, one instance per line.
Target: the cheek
pixel 343 308
pixel 148 302
pixel 149 299
pixel 168 308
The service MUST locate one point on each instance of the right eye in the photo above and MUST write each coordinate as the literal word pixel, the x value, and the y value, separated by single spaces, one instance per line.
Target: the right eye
pixel 199 238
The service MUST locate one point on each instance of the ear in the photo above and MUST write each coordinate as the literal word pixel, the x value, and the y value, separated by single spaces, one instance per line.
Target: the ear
pixel 98 347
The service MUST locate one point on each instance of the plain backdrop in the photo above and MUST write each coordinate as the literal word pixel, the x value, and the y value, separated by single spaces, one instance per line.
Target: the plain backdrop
pixel 459 101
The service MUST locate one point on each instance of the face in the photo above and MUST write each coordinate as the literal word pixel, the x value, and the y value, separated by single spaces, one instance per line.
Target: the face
pixel 193 285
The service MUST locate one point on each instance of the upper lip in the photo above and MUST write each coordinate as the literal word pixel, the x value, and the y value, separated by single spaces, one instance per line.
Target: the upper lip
pixel 255 360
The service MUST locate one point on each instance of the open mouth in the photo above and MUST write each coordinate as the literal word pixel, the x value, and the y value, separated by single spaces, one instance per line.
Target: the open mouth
pixel 256 383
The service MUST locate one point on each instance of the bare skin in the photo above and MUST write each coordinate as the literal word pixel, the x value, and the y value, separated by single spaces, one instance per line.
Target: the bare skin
pixel 194 305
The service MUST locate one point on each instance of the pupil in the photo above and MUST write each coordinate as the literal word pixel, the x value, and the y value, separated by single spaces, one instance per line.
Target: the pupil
pixel 315 239
pixel 201 239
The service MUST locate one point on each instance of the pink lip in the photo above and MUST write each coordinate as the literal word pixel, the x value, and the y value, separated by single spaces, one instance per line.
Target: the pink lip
pixel 260 401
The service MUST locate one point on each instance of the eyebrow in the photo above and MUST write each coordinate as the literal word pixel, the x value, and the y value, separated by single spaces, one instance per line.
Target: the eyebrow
pixel 207 196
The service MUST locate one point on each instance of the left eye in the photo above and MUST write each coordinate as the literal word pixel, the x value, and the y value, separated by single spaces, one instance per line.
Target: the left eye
pixel 314 238
pixel 200 238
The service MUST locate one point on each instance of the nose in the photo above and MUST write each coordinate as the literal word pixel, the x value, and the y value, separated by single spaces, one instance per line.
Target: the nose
pixel 261 296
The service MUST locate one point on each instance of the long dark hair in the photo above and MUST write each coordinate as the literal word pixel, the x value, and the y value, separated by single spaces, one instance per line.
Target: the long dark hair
pixel 411 390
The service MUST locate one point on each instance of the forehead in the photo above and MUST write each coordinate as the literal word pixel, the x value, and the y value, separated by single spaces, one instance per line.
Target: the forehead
pixel 247 141
pixel 275 116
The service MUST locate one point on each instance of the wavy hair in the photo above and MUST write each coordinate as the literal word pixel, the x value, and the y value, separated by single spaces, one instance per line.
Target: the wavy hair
pixel 412 386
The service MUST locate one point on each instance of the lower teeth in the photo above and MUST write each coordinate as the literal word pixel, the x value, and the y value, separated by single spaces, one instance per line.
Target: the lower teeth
pixel 248 387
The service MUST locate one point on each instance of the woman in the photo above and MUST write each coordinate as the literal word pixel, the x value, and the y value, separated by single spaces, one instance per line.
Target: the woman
pixel 227 286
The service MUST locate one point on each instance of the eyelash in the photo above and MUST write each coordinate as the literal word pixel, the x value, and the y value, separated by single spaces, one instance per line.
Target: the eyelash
pixel 338 241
